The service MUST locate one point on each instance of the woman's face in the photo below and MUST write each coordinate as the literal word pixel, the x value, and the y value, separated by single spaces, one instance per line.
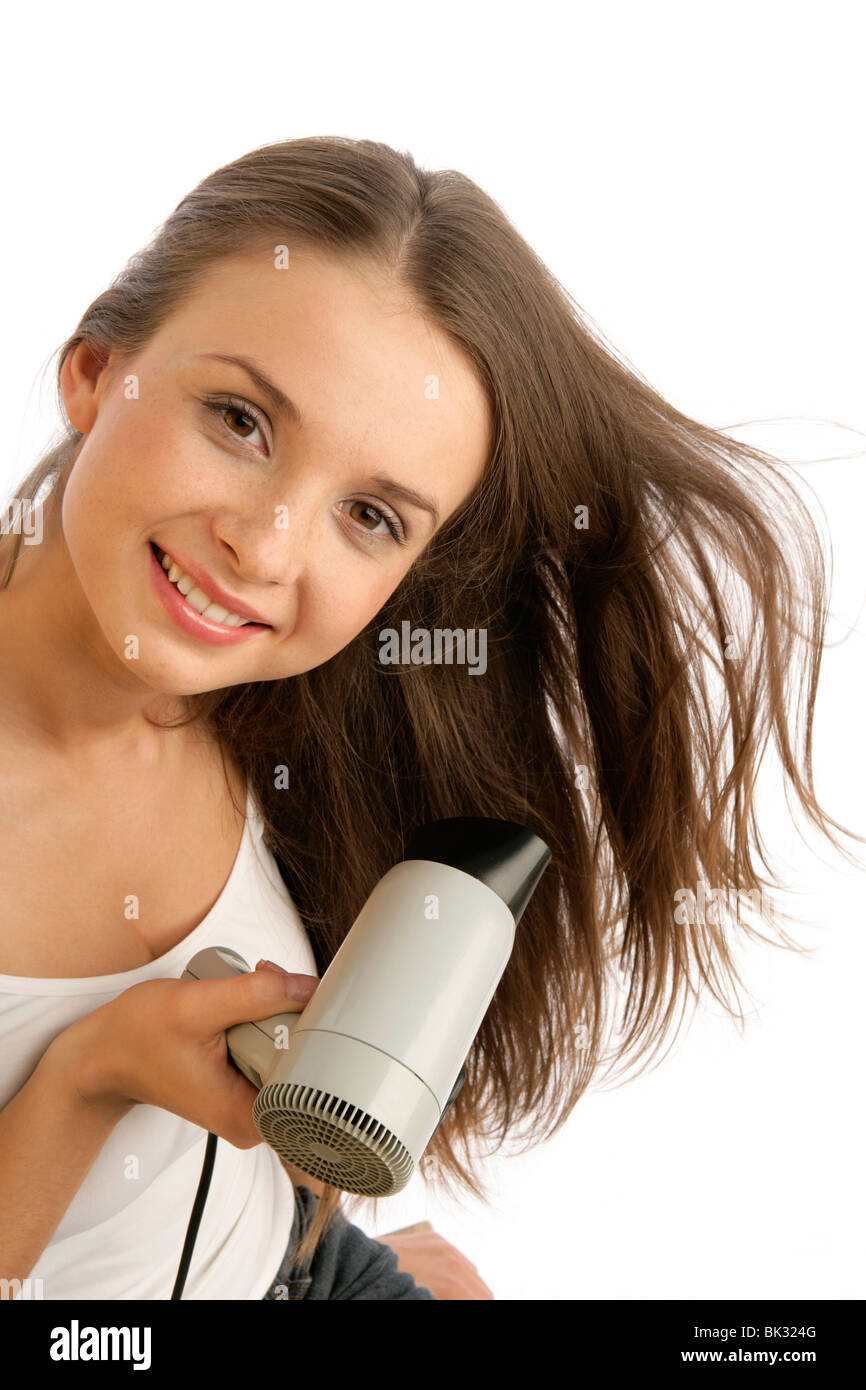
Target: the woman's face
pixel 285 519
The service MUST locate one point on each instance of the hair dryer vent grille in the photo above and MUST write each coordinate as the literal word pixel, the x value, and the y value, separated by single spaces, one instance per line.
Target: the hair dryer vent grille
pixel 332 1140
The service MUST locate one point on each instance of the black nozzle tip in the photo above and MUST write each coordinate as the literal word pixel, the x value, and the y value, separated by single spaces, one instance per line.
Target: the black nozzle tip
pixel 507 857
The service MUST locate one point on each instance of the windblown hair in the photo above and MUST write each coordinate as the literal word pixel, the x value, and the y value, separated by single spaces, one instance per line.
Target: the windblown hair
pixel 595 552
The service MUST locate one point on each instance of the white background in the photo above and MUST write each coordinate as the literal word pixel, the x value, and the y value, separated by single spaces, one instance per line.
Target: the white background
pixel 693 175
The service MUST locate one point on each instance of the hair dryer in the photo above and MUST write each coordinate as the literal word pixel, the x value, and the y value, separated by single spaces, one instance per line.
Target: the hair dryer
pixel 352 1089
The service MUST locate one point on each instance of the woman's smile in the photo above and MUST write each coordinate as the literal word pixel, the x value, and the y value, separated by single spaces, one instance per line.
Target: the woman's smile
pixel 189 575
pixel 187 617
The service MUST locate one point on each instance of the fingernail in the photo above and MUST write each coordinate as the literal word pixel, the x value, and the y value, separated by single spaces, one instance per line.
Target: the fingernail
pixel 297 986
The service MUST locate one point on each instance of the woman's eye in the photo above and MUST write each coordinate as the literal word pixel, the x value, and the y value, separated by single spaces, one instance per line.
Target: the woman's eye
pixel 231 405
pixel 391 520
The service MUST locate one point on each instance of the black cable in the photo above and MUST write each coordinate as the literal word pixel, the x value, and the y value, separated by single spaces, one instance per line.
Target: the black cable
pixel 196 1215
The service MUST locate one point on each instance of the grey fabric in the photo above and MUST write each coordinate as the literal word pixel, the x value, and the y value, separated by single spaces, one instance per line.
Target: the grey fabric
pixel 347 1264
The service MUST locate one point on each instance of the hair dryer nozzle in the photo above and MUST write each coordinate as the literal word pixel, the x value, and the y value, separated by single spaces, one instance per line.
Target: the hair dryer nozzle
pixel 507 857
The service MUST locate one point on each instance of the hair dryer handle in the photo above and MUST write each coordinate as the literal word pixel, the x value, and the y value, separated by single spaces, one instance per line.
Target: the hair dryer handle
pixel 255 1048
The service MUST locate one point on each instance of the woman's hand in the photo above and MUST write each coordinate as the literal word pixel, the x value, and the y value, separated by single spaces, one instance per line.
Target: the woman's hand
pixel 437 1265
pixel 163 1043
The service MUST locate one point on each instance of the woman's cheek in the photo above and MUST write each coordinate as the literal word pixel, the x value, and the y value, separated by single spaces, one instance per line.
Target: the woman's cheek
pixel 343 606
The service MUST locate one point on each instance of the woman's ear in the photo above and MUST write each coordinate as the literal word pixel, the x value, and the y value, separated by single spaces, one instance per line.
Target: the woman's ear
pixel 87 375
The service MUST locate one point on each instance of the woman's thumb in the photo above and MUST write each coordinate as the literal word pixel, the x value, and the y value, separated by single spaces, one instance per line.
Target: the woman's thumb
pixel 251 996
pixel 300 987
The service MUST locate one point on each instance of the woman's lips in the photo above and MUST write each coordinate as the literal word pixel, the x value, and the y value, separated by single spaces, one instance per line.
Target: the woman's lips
pixel 209 586
pixel 188 619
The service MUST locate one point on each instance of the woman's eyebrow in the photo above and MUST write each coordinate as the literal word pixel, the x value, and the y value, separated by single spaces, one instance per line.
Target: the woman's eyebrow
pixel 286 406
pixel 406 494
pixel 278 398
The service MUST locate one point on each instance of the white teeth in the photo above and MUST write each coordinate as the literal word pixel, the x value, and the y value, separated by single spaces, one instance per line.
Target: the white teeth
pixel 199 600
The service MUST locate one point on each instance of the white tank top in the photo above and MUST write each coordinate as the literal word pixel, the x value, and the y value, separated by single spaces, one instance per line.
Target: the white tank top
pixel 122 1235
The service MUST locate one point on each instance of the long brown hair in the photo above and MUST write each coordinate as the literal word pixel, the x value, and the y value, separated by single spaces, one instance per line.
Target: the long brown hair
pixel 595 553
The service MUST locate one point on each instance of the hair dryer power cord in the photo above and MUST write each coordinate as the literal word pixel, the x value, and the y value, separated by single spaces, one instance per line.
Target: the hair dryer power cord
pixel 196 1215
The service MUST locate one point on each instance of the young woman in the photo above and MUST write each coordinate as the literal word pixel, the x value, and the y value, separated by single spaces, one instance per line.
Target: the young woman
pixel 335 394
